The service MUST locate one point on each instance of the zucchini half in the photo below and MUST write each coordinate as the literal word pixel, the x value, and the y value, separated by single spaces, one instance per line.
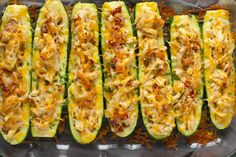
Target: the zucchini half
pixel 185 48
pixel 120 74
pixel 219 67
pixel 15 61
pixel 85 75
pixel 49 68
pixel 154 72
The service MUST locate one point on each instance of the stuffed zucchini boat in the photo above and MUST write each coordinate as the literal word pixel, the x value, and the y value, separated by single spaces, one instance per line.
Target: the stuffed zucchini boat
pixel 185 47
pixel 85 75
pixel 49 68
pixel 219 67
pixel 120 87
pixel 154 72
pixel 15 61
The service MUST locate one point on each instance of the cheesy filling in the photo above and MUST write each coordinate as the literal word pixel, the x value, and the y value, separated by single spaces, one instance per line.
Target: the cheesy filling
pixel 46 98
pixel 186 62
pixel 13 90
pixel 85 71
pixel 219 40
pixel 155 78
pixel 119 68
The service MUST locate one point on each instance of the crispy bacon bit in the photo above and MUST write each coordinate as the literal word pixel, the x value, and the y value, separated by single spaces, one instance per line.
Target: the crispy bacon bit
pixel 146 61
pixel 122 116
pixel 116 11
pixel 11 26
pixel 192 93
pixel 118 20
pixel 85 80
pixel 115 60
pixel 154 86
pixel 161 55
pixel 187 83
pixel 187 61
pixel 162 70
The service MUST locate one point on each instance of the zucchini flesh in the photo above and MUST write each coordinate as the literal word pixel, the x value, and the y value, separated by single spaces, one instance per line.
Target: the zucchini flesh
pixel 118 48
pixel 219 67
pixel 85 75
pixel 154 72
pixel 15 60
pixel 185 47
pixel 49 68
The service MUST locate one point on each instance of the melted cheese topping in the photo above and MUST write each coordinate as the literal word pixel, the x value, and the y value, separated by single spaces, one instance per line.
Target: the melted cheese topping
pixel 49 67
pixel 119 67
pixel 85 91
pixel 154 75
pixel 219 46
pixel 14 73
pixel 186 61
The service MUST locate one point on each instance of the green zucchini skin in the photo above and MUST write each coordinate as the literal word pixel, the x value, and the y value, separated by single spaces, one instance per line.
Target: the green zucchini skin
pixel 198 91
pixel 85 137
pixel 52 5
pixel 140 10
pixel 210 67
pixel 115 4
pixel 20 13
